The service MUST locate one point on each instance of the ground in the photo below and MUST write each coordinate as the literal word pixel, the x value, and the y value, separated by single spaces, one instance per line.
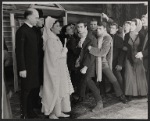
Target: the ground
pixel 113 109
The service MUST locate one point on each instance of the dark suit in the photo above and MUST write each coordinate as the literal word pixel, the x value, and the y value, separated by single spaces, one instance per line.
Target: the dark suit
pixel 72 55
pixel 27 59
pixel 86 59
pixel 118 57
pixel 40 53
pixel 37 98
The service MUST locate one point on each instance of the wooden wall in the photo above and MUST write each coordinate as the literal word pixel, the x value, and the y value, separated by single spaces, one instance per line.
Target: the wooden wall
pixel 119 12
pixel 7 31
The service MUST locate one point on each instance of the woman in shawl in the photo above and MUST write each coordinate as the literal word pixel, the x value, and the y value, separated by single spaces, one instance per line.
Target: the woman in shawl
pixel 135 78
pixel 57 86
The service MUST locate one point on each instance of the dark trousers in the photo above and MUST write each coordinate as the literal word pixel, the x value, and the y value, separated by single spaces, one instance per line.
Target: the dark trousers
pixel 28 99
pixel 102 85
pixel 118 75
pixel 111 77
pixel 87 81
pixel 75 79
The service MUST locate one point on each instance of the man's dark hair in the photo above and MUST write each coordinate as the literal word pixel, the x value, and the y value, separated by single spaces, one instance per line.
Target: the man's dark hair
pixel 114 24
pixel 27 13
pixel 63 30
pixel 102 24
pixel 71 24
pixel 93 19
pixel 127 22
pixel 82 22
pixel 40 13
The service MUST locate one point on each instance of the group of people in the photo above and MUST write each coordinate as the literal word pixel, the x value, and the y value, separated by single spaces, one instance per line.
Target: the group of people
pixel 55 63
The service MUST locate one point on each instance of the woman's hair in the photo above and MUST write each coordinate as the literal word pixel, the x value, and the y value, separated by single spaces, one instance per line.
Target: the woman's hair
pixel 127 22
pixel 57 21
pixel 134 20
pixel 144 16
pixel 64 28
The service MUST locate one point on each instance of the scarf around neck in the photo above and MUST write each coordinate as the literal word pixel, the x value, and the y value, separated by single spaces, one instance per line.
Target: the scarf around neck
pixel 82 37
pixel 99 59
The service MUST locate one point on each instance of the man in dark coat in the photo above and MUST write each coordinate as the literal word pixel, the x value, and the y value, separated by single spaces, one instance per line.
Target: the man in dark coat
pixel 86 63
pixel 118 57
pixel 27 62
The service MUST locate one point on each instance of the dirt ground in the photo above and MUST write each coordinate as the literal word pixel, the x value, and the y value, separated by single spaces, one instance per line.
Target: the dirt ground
pixel 136 109
pixel 113 109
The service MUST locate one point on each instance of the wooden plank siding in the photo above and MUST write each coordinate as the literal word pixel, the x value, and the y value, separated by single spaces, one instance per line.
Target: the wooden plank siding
pixel 7 33
pixel 127 12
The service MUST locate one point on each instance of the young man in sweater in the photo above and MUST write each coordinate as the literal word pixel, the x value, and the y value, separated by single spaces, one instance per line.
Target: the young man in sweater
pixel 105 53
pixel 86 65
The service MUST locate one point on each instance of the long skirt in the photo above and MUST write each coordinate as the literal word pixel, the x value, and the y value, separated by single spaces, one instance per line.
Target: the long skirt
pixel 56 90
pixel 135 79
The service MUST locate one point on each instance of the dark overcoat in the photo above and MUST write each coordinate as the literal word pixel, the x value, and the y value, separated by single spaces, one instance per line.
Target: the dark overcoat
pixel 27 56
pixel 129 54
pixel 40 53
pixel 87 59
pixel 73 51
pixel 118 57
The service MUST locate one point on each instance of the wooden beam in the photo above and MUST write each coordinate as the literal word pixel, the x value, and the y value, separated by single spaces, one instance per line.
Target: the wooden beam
pixel 60 7
pixel 15 11
pixel 65 19
pixel 12 22
pixel 84 13
pixel 45 7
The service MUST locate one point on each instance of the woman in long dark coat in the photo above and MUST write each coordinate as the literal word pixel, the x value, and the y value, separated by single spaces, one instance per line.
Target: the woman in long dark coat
pixel 135 78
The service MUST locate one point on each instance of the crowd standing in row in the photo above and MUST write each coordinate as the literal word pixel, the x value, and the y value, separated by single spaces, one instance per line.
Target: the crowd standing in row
pixel 55 63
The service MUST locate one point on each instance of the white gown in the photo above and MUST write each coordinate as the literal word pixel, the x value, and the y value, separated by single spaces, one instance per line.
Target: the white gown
pixel 57 86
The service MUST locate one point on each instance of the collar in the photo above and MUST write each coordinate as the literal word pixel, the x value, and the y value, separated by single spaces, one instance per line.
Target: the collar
pixel 29 24
pixel 83 35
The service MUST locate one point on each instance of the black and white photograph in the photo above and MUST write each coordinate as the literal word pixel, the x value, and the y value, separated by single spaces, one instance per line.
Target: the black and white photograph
pixel 75 60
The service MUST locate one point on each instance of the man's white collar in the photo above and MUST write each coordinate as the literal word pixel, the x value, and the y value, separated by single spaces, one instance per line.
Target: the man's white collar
pixel 29 25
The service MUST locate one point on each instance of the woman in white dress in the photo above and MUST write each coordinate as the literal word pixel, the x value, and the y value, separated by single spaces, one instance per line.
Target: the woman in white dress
pixel 57 86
